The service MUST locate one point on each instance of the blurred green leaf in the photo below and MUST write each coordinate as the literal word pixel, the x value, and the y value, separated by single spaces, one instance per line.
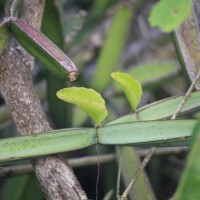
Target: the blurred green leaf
pixel 87 99
pixel 17 185
pixel 163 109
pixel 43 49
pixel 129 164
pixel 108 195
pixel 4 36
pixel 169 14
pixel 51 24
pixel 153 72
pixel 21 188
pixel 97 11
pixel 131 87
pixel 189 185
pixel 110 53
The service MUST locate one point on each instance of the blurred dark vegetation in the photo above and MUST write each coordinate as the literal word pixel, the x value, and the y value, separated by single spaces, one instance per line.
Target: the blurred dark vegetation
pixel 80 28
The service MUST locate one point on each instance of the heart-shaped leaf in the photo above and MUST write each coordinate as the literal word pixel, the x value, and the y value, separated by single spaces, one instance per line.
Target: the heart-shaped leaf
pixel 169 14
pixel 131 87
pixel 87 99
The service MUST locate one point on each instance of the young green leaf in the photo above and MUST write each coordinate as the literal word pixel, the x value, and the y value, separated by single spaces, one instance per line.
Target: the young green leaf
pixel 43 49
pixel 169 14
pixel 4 35
pixel 49 143
pixel 87 99
pixel 147 133
pixel 131 87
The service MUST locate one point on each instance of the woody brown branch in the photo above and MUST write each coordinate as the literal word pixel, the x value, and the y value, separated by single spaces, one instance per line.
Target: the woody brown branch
pixel 55 176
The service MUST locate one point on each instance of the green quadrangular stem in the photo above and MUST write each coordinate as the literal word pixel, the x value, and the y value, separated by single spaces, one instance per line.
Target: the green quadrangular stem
pixel 48 143
pixel 163 109
pixel 148 133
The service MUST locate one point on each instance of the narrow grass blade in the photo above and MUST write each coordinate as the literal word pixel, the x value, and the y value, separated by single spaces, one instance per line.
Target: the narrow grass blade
pixel 22 187
pixel 43 49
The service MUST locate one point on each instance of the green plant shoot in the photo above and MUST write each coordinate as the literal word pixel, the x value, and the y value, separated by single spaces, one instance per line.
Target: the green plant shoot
pixel 131 87
pixel 169 14
pixel 87 99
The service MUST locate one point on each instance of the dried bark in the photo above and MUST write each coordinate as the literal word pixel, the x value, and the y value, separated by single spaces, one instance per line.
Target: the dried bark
pixel 55 176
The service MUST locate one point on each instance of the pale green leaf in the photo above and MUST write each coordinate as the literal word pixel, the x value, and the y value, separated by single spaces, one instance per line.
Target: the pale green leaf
pixel 109 195
pixel 87 99
pixel 131 87
pixel 169 14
